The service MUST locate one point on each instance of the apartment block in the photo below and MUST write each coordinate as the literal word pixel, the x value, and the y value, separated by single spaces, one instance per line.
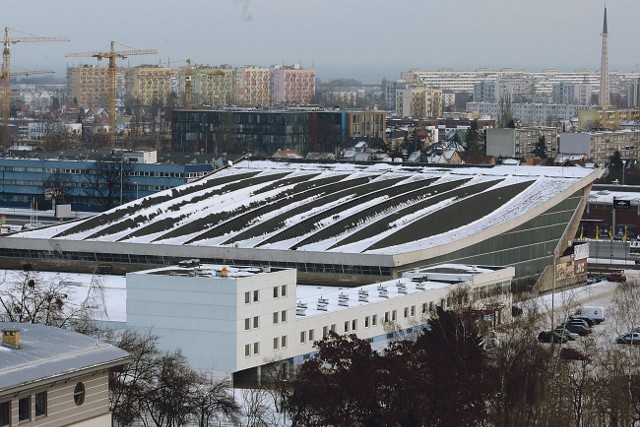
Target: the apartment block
pixel 520 142
pixel 252 86
pixel 292 85
pixel 89 85
pixel 419 101
pixel 213 85
pixel 148 85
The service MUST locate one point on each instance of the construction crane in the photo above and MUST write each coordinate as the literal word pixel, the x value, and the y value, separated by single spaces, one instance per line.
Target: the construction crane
pixel 188 87
pixel 188 83
pixel 112 55
pixel 5 75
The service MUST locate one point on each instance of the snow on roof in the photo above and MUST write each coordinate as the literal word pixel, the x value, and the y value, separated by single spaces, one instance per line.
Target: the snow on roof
pixel 48 352
pixel 340 207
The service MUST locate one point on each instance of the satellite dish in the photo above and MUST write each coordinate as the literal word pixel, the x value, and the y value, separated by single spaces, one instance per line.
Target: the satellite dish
pixel 229 163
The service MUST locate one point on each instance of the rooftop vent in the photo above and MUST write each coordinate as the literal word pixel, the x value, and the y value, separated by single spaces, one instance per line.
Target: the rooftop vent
pixel 301 309
pixel 363 295
pixel 383 292
pixel 402 288
pixel 11 338
pixel 343 299
pixel 190 263
pixel 322 304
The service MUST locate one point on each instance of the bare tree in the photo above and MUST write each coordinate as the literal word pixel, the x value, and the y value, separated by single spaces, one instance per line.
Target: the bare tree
pixel 58 185
pixel 105 182
pixel 30 297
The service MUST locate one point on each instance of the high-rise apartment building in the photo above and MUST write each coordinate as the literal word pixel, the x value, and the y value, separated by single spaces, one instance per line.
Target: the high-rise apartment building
pixel 292 85
pixel 148 85
pixel 213 85
pixel 252 86
pixel 419 101
pixel 89 85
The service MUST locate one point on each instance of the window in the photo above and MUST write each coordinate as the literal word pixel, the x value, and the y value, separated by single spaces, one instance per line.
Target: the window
pixel 78 394
pixel 247 349
pixel 424 308
pixel 303 336
pixel 247 297
pixel 283 341
pixel 283 290
pixel 275 318
pixel 255 296
pixel 333 327
pixel 406 312
pixel 386 316
pixel 325 331
pixel 5 413
pixel 41 404
pixel 275 292
pixel 366 322
pixel 283 315
pixel 256 322
pixel 247 324
pixel 310 334
pixel 24 408
pixel 374 320
pixel 413 310
pixel 354 324
pixel 256 348
pixel 394 315
pixel 275 343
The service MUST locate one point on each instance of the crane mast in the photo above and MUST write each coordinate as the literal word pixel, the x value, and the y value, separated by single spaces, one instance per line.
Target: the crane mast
pixel 5 75
pixel 112 55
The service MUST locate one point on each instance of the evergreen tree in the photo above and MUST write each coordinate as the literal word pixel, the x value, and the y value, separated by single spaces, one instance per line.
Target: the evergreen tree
pixel 541 148
pixel 472 139
pixel 616 166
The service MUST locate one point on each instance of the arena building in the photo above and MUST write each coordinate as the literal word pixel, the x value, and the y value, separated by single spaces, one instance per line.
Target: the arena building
pixel 335 223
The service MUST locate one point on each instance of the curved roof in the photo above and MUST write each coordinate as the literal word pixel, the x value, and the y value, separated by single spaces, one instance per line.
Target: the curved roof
pixel 345 208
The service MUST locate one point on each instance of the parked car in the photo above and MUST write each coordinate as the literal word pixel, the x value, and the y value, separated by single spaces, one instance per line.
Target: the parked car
pixel 592 312
pixel 579 321
pixel 629 338
pixel 575 328
pixel 637 261
pixel 562 331
pixel 590 322
pixel 548 336
pixel 573 354
pixel 616 277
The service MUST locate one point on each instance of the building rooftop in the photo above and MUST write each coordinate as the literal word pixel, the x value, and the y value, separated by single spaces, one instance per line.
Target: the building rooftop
pixel 47 352
pixel 338 208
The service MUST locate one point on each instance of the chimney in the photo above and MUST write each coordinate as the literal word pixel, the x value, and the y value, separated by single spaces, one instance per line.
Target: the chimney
pixel 11 338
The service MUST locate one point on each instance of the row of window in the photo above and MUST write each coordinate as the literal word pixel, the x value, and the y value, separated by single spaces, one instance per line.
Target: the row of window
pixel 39 406
pixel 24 408
pixel 73 171
pixel 167 260
pixel 256 349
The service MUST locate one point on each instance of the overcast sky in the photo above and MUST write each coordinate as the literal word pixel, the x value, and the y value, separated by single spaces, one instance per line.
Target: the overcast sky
pixel 363 39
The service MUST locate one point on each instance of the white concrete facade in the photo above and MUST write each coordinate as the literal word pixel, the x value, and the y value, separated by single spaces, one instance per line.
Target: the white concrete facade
pixel 249 317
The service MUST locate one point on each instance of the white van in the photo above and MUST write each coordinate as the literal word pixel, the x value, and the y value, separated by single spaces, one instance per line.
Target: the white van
pixel 591 312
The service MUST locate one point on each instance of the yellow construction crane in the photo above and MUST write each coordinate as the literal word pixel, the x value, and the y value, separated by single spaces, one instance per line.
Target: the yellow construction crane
pixel 5 75
pixel 112 55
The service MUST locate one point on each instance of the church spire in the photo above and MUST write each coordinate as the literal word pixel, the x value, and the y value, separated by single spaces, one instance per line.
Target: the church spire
pixel 604 25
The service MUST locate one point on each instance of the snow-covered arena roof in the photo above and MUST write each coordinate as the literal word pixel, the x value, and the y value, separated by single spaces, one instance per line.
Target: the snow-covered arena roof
pixel 334 207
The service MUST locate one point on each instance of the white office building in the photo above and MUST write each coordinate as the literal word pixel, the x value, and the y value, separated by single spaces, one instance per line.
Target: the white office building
pixel 235 321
